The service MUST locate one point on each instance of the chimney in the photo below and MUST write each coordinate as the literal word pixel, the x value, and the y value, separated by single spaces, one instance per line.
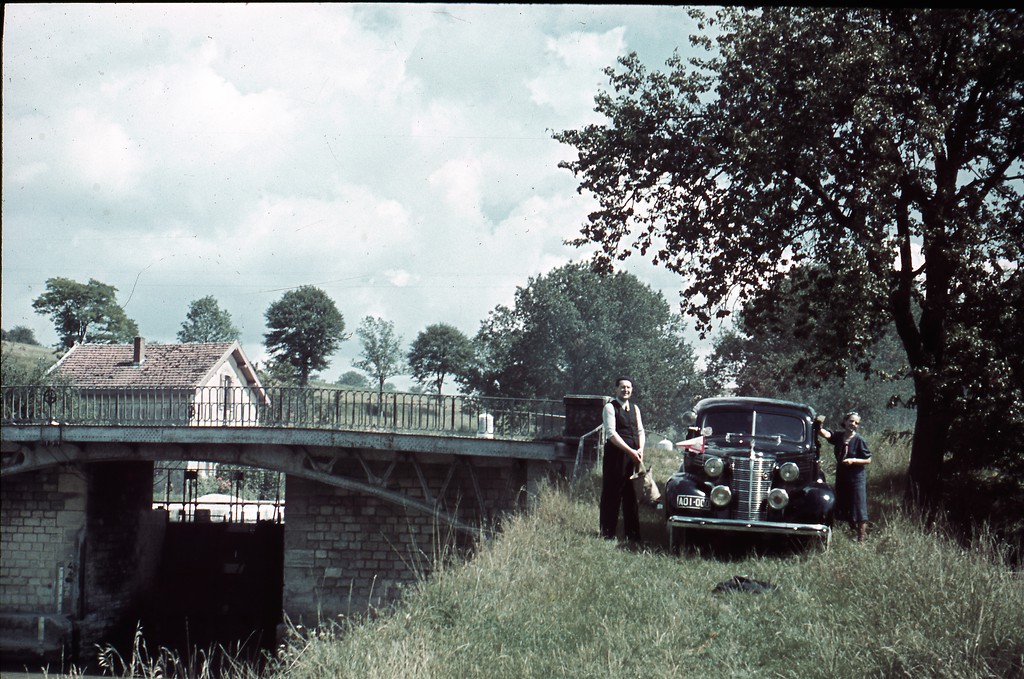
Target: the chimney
pixel 139 354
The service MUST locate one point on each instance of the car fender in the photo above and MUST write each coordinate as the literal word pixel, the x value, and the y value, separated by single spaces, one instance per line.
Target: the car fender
pixel 817 503
pixel 682 484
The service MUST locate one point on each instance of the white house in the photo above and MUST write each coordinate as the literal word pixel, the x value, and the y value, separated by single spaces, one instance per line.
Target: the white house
pixel 210 384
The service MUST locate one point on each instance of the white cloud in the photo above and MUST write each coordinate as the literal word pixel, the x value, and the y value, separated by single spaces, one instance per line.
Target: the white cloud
pixel 397 156
pixel 101 153
pixel 458 184
pixel 399 278
pixel 573 72
pixel 314 238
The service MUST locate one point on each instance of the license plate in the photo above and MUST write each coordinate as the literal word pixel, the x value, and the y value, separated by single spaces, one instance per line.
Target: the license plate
pixel 691 502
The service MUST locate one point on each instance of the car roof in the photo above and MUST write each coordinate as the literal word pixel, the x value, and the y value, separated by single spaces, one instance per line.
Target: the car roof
pixel 753 402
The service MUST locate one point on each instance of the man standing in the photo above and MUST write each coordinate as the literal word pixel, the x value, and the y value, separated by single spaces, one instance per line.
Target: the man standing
pixel 623 450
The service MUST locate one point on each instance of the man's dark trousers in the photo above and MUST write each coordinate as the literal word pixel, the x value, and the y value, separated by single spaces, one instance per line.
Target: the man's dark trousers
pixel 616 488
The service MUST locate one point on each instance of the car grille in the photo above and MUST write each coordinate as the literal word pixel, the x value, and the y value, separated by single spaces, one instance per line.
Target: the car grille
pixel 752 479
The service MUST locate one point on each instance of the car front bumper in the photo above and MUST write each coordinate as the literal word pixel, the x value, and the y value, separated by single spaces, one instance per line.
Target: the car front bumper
pixel 777 527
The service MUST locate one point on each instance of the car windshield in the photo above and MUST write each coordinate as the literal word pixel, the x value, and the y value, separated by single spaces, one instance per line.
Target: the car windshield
pixel 741 422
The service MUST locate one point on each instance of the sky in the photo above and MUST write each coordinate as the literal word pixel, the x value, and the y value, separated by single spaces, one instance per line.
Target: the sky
pixel 398 157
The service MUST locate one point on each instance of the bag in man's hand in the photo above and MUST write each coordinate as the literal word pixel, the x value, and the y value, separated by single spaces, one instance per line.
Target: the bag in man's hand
pixel 643 484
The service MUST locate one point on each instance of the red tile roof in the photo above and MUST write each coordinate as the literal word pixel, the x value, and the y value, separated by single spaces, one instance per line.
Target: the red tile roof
pixel 112 365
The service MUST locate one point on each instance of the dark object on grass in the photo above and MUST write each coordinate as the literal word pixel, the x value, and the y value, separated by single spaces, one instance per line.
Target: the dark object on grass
pixel 741 583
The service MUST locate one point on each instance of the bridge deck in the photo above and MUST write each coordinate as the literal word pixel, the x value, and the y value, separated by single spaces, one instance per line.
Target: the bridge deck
pixel 417 443
pixel 285 429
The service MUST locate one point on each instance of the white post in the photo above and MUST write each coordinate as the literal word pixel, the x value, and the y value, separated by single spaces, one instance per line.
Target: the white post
pixel 485 426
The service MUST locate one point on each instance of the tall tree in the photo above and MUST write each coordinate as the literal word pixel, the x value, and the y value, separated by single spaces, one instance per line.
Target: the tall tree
pixel 207 322
pixel 85 312
pixel 441 350
pixel 381 356
pixel 884 145
pixel 304 328
pixel 573 331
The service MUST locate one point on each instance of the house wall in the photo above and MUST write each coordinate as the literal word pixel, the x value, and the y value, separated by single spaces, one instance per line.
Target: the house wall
pixel 227 398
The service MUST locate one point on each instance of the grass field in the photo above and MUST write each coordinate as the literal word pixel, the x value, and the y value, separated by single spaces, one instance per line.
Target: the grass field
pixel 28 356
pixel 549 598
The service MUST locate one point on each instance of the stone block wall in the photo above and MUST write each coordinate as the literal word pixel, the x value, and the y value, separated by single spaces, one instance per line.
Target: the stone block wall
pixel 42 525
pixel 79 546
pixel 42 529
pixel 345 551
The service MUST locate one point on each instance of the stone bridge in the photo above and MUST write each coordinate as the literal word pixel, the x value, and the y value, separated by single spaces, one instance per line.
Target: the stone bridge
pixel 377 492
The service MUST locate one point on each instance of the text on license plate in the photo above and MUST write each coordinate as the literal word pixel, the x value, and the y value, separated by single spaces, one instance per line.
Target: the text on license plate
pixel 691 502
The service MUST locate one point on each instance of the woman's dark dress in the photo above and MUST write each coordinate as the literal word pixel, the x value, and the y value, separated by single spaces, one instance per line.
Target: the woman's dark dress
pixel 851 480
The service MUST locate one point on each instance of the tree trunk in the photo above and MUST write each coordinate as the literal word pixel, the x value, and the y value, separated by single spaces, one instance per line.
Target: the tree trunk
pixel 931 435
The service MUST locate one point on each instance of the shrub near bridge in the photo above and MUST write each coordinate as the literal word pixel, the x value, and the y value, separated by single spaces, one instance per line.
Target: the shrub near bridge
pixel 548 598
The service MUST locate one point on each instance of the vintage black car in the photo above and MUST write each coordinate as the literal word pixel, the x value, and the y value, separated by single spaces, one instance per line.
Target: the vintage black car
pixel 752 466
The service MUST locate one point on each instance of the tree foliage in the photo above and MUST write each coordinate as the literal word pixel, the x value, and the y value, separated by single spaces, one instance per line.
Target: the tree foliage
pixel 353 379
pixel 573 331
pixel 883 145
pixel 85 312
pixel 765 353
pixel 21 335
pixel 381 356
pixel 438 352
pixel 251 483
pixel 207 322
pixel 304 328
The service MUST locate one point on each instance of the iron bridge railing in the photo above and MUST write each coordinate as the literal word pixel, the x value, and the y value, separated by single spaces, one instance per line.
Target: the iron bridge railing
pixel 285 407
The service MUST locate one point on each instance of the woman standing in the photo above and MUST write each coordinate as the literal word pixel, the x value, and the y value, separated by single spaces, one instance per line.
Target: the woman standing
pixel 852 459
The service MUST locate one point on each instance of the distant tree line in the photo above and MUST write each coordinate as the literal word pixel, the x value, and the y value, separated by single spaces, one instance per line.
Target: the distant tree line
pixel 570 331
pixel 21 335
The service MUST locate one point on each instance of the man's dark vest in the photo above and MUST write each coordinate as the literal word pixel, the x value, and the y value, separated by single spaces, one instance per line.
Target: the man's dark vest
pixel 625 424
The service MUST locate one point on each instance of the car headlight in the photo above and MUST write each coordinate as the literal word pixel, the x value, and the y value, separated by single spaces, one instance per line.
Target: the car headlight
pixel 721 496
pixel 778 498
pixel 713 466
pixel 789 472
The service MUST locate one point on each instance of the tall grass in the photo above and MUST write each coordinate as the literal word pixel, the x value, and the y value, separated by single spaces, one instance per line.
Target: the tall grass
pixel 549 598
